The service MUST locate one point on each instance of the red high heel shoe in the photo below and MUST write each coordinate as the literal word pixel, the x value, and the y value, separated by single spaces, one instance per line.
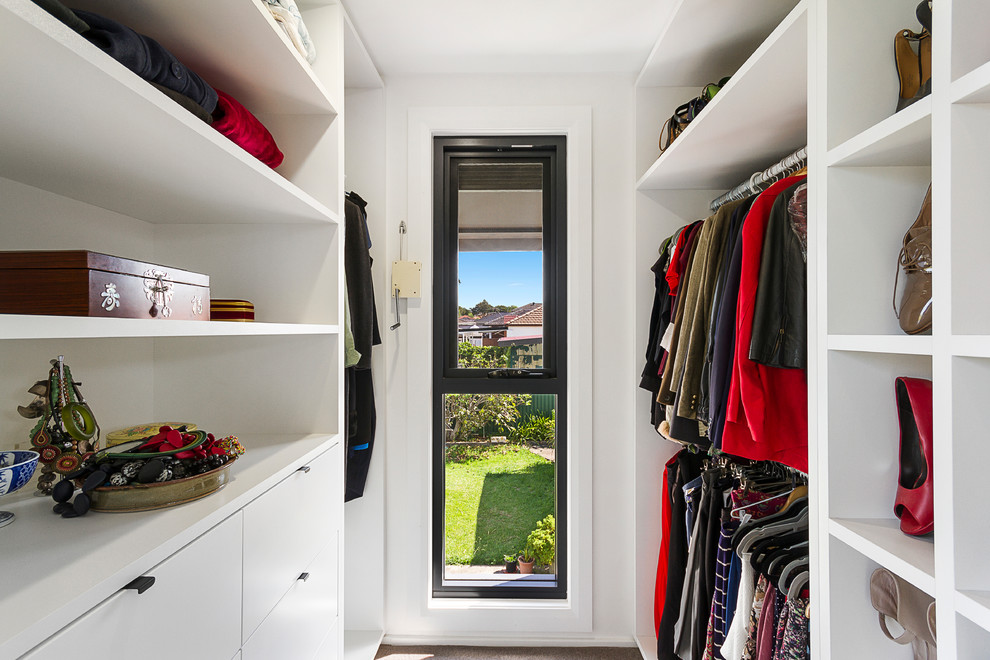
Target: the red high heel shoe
pixel 914 503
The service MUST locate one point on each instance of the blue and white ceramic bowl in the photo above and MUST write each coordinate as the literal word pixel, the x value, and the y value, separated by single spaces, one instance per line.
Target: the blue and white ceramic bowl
pixel 16 468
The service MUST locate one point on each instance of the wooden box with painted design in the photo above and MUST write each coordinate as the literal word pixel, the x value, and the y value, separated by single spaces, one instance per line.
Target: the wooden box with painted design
pixel 84 283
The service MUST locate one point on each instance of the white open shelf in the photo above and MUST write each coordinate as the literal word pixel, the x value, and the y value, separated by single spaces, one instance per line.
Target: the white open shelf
pixel 359 72
pixel 883 542
pixel 975 606
pixel 742 130
pixel 103 152
pixel 705 40
pixel 23 326
pixel 233 45
pixel 904 138
pixel 896 344
pixel 974 87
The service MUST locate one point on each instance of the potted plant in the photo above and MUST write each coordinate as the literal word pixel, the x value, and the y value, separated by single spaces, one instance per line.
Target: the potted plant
pixel 511 564
pixel 526 560
pixel 541 542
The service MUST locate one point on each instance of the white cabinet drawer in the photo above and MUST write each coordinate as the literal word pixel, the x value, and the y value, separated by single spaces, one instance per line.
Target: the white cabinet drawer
pixel 299 624
pixel 190 612
pixel 285 528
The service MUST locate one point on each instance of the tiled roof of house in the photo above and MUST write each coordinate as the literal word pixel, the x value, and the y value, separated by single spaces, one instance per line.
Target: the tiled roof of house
pixel 532 317
pixel 501 318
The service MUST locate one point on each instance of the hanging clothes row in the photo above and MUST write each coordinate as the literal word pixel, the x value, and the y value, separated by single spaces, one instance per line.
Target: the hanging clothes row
pixel 734 566
pixel 727 352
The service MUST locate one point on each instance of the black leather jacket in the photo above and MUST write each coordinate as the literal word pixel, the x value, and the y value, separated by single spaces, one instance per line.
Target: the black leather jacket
pixel 780 321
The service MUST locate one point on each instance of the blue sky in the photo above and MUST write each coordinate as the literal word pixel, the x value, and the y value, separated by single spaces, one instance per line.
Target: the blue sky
pixel 501 278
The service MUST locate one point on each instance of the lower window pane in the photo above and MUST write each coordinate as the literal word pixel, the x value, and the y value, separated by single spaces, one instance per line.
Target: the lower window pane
pixel 500 499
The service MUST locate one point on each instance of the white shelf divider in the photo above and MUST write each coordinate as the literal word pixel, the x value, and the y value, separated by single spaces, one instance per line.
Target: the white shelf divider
pixel 971 346
pixel 103 152
pixel 974 87
pixel 903 138
pixel 975 606
pixel 704 40
pixel 759 117
pixel 22 326
pixel 893 344
pixel 882 541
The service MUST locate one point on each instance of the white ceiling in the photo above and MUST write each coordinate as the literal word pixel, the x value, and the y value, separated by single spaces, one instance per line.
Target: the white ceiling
pixel 508 36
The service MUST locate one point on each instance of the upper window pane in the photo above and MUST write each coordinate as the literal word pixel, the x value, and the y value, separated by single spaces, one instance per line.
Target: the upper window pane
pixel 500 225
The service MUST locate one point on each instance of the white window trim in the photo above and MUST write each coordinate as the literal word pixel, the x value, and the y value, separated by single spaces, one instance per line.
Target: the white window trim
pixel 574 614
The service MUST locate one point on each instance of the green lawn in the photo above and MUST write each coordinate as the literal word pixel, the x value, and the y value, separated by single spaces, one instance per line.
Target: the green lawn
pixel 495 497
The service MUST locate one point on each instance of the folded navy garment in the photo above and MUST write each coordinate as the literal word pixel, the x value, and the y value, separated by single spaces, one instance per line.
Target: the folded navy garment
pixel 63 13
pixel 147 58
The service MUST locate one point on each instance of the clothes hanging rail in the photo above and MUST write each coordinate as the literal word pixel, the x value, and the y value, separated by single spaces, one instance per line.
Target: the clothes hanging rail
pixel 758 181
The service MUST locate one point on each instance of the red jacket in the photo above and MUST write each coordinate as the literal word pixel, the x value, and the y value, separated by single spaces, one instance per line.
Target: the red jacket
pixel 767 409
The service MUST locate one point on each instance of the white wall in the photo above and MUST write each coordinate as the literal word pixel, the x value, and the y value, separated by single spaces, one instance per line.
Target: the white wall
pixel 614 360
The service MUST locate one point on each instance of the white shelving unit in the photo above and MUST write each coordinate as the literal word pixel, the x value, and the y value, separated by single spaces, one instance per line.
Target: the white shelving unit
pixel 92 157
pixel 870 185
pixel 763 46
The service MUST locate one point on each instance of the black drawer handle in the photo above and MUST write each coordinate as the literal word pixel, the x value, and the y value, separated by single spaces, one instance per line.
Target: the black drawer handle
pixel 141 584
pixel 305 469
pixel 304 577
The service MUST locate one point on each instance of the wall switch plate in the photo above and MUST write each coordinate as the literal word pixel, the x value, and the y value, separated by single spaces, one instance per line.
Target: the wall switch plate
pixel 406 276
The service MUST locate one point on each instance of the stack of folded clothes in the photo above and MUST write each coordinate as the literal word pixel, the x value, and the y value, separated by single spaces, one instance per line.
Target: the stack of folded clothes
pixel 155 64
pixel 286 14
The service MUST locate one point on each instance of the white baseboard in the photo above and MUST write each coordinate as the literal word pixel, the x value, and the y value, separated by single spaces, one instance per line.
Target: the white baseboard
pixel 507 639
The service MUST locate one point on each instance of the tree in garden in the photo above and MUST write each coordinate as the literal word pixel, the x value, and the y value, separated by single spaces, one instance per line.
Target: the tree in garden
pixel 466 415
pixel 482 308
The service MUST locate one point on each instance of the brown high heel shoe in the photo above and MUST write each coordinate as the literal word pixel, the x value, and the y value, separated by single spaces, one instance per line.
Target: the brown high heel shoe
pixel 915 312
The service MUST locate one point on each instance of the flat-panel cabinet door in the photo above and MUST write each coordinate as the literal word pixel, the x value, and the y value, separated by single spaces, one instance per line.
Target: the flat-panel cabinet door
pixel 297 627
pixel 331 648
pixel 190 612
pixel 285 528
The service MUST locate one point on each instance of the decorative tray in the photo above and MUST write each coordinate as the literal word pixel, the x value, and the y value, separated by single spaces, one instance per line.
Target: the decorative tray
pixel 159 495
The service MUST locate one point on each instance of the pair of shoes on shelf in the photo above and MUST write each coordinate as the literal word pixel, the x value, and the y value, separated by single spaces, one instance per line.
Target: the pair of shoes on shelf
pixel 915 259
pixel 914 69
pixel 914 502
pixel 912 609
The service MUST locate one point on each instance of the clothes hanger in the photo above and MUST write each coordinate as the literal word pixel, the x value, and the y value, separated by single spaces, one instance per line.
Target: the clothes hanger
pixel 777 528
pixel 792 569
pixel 800 581
pixel 786 514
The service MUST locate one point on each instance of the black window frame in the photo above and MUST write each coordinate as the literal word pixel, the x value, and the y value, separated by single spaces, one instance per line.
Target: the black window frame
pixel 448 378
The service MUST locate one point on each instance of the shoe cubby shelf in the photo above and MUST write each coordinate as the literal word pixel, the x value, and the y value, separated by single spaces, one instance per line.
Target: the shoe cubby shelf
pixel 734 136
pixel 970 49
pixel 974 87
pixel 849 612
pixel 105 153
pixel 883 542
pixel 894 344
pixel 903 138
pixel 706 40
pixel 13 326
pixel 976 346
pixel 975 606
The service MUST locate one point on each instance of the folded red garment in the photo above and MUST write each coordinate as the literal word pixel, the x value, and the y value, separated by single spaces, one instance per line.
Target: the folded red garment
pixel 244 130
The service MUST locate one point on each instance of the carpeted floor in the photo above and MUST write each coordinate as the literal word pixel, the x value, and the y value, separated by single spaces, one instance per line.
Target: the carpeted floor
pixel 511 653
